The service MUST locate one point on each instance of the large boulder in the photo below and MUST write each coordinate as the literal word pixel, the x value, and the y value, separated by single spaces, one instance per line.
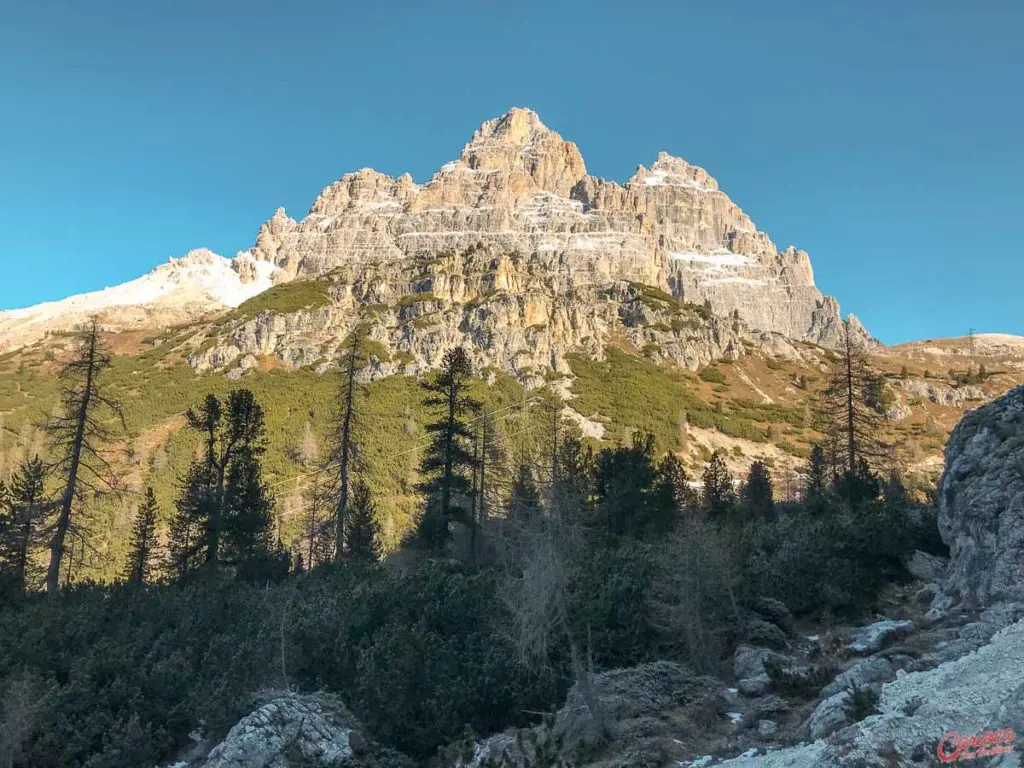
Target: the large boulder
pixel 295 731
pixel 981 504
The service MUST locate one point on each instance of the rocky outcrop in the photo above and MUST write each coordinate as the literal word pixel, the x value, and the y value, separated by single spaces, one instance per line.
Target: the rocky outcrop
pixel 942 394
pixel 645 710
pixel 496 306
pixel 294 731
pixel 981 503
pixel 920 713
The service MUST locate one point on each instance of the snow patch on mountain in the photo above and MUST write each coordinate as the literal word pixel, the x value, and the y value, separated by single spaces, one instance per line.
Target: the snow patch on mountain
pixel 199 281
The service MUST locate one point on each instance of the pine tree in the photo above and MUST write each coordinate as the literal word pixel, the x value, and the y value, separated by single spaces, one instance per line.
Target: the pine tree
pixel 224 510
pixel 248 511
pixel 78 435
pixel 361 533
pixel 187 553
pixel 25 511
pixel 817 474
pixel 846 413
pixel 623 487
pixel 139 568
pixel 574 482
pixel 757 492
pixel 343 450
pixel 675 496
pixel 718 497
pixel 448 461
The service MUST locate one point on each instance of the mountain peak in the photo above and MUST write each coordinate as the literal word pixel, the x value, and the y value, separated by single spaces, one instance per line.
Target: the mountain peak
pixel 671 171
pixel 516 127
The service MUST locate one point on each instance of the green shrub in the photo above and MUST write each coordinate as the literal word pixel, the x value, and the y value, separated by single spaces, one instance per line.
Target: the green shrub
pixel 713 375
pixel 283 299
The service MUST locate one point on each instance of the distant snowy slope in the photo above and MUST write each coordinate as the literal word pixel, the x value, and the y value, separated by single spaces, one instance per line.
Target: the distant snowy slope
pixel 199 282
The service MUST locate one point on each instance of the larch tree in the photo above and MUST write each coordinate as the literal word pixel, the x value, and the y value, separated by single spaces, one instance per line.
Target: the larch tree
pixel 541 567
pixel 343 448
pixel 24 508
pixel 448 463
pixel 852 424
pixel 87 423
pixel 143 553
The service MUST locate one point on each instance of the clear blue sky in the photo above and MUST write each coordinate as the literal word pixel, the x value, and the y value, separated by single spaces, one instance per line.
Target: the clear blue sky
pixel 883 137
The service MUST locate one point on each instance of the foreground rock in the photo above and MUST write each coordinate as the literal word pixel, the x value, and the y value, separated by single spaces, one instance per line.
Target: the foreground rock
pixel 649 711
pixel 983 690
pixel 981 505
pixel 292 731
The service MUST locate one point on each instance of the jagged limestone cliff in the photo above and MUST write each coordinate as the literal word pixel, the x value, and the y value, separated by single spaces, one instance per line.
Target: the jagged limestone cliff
pixel 516 251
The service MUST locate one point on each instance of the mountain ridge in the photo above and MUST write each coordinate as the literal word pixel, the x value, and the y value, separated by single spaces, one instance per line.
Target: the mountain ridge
pixel 519 189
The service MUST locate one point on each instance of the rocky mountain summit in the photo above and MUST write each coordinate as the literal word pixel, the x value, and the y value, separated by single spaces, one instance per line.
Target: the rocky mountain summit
pixel 513 249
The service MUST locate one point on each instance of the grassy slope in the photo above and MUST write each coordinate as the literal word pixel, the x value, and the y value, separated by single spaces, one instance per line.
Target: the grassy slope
pixel 751 408
pixel 156 394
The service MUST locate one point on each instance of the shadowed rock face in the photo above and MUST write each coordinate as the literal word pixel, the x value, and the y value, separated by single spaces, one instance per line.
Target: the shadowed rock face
pixel 519 189
pixel 981 503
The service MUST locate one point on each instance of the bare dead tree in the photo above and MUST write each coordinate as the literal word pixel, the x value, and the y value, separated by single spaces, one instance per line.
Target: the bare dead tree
pixel 88 422
pixel 541 553
pixel 852 426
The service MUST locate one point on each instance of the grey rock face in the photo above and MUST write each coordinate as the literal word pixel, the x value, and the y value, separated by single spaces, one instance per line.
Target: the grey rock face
pixel 875 637
pixel 981 690
pixel 926 567
pixel 981 503
pixel 829 716
pixel 864 672
pixel 749 661
pixel 518 189
pixel 942 394
pixel 288 731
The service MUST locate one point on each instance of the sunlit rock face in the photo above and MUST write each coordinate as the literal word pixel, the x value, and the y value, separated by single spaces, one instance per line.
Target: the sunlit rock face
pixel 519 189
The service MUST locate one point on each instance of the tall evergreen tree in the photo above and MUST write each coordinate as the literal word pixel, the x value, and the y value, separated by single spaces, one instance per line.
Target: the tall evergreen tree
pixel 224 510
pixel 248 511
pixel 343 449
pixel 718 496
pixel 623 487
pixel 23 525
pixel 78 437
pixel 676 497
pixel 447 464
pixel 188 525
pixel 361 543
pixel 817 483
pixel 574 488
pixel 757 492
pixel 139 567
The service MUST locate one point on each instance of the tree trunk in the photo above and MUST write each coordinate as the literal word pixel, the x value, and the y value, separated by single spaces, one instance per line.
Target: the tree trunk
pixel 346 437
pixel 68 498
pixel 850 431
